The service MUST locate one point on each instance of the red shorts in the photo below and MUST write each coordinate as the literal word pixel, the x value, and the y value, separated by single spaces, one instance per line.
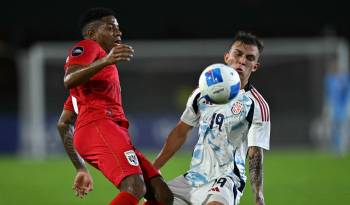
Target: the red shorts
pixel 107 147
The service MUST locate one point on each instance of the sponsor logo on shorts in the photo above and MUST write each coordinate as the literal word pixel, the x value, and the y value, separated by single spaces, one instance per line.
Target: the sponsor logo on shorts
pixel 214 189
pixel 131 157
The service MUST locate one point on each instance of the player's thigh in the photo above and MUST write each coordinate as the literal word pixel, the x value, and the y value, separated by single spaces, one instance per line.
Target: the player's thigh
pixel 133 184
pixel 156 186
pixel 107 146
pixel 222 192
pixel 181 190
pixel 148 170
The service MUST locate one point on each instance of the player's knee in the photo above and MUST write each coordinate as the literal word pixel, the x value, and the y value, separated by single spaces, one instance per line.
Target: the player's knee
pixel 134 185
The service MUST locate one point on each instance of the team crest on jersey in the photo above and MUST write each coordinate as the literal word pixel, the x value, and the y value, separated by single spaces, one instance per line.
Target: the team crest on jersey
pixel 131 157
pixel 77 51
pixel 237 108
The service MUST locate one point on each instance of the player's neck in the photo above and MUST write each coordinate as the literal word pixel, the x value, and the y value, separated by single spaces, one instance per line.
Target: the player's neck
pixel 244 84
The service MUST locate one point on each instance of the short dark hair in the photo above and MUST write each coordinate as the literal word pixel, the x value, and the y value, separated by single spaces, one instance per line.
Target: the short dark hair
pixel 94 14
pixel 250 39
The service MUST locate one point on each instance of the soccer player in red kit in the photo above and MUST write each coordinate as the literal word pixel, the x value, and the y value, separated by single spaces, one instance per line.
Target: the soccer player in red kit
pixel 101 131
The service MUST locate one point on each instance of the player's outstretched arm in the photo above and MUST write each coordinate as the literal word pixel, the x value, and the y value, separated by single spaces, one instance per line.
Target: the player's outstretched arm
pixel 83 182
pixel 76 74
pixel 173 143
pixel 255 157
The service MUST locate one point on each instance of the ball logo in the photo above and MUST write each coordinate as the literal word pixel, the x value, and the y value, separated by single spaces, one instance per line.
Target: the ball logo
pixel 218 90
pixel 237 108
pixel 132 158
pixel 77 51
pixel 213 76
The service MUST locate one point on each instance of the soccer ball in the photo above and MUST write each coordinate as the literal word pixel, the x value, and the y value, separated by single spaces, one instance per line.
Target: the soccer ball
pixel 219 83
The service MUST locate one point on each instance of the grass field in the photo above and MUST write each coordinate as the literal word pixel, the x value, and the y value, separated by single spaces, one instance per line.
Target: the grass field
pixel 291 177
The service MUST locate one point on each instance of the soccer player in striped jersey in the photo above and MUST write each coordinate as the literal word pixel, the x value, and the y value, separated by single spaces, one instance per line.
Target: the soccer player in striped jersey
pixel 228 135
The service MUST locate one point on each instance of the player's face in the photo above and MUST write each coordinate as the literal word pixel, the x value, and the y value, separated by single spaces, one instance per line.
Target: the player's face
pixel 108 33
pixel 244 59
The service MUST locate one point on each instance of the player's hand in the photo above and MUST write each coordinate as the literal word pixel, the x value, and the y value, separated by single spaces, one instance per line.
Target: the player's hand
pixel 259 201
pixel 83 183
pixel 120 52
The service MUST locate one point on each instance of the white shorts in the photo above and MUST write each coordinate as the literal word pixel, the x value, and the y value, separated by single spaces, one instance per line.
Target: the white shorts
pixel 222 190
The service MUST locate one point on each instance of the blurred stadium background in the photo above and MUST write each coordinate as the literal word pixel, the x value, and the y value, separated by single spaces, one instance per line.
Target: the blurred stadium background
pixel 173 43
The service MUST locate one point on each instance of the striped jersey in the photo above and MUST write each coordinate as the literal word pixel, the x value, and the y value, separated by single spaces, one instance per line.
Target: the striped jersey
pixel 224 135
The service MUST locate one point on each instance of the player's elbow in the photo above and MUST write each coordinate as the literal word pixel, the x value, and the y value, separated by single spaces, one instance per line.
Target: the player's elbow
pixel 68 83
pixel 61 126
pixel 67 86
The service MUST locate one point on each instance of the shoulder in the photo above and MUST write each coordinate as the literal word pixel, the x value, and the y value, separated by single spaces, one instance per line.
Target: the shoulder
pixel 260 104
pixel 195 92
pixel 83 46
pixel 194 96
pixel 83 53
pixel 193 99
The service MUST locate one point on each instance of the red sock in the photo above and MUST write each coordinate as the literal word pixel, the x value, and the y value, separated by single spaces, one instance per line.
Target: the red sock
pixel 124 198
pixel 152 202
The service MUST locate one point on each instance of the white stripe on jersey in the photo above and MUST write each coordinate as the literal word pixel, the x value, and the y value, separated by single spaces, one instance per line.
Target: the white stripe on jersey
pixel 75 105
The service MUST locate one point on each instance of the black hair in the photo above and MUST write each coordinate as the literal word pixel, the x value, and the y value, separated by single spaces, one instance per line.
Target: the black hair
pixel 94 14
pixel 249 39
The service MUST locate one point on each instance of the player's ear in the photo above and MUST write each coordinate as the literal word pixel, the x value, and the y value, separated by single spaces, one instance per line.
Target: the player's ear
pixel 91 30
pixel 226 57
pixel 91 34
pixel 256 67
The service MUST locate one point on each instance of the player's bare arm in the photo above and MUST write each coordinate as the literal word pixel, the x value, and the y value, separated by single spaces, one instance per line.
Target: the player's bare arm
pixel 255 157
pixel 76 74
pixel 65 128
pixel 176 138
pixel 83 181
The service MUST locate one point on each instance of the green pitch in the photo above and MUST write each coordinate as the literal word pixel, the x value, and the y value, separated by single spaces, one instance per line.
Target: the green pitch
pixel 291 177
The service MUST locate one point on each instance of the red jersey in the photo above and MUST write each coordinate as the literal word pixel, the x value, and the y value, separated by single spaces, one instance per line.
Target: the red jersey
pixel 100 97
pixel 71 104
pixel 68 105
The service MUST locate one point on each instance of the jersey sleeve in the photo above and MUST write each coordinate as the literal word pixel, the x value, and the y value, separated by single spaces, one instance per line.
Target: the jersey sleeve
pixel 259 131
pixel 68 105
pixel 83 53
pixel 191 114
pixel 71 104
